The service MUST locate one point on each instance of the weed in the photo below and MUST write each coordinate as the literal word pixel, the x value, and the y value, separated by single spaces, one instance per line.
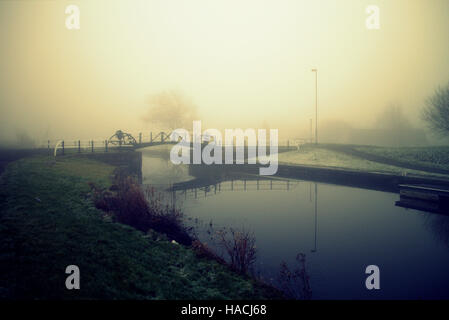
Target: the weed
pixel 295 284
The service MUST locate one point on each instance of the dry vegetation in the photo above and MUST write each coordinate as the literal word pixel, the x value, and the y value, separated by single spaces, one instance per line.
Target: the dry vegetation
pixel 144 211
pixel 295 283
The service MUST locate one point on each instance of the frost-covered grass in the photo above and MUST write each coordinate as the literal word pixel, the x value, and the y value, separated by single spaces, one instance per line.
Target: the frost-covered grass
pixel 436 157
pixel 317 156
pixel 47 222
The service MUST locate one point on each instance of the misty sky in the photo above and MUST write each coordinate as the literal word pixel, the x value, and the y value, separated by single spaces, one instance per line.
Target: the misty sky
pixel 244 63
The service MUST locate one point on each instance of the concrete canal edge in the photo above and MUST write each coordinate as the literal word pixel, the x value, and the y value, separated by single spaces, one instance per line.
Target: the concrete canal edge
pixel 131 162
pixel 208 174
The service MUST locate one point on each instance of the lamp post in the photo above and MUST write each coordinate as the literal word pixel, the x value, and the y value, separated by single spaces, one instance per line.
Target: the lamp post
pixel 316 105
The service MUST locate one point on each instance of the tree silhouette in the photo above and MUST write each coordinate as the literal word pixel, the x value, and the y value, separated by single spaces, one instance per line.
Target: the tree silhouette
pixel 436 111
pixel 171 109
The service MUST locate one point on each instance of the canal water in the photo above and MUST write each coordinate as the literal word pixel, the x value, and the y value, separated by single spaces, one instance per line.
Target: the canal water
pixel 341 230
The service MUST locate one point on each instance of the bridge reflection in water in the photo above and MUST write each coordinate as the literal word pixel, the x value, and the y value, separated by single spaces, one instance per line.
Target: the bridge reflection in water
pixel 184 192
pixel 207 190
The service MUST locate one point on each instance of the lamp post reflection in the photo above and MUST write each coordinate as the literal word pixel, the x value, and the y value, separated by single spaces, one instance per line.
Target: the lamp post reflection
pixel 316 216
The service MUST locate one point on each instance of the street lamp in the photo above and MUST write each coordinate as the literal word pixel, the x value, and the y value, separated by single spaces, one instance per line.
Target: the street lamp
pixel 316 105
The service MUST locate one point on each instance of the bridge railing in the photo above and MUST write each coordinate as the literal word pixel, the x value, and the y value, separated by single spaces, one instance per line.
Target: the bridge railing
pixel 61 147
pixel 104 145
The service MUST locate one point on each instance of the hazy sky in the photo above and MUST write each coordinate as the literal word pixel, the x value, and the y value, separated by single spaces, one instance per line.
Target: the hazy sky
pixel 243 62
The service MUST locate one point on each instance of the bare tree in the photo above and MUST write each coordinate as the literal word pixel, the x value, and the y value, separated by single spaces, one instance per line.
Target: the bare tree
pixel 436 111
pixel 171 109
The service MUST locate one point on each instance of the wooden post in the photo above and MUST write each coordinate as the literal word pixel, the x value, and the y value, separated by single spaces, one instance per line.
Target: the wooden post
pixel 79 146
pixel 48 144
pixel 106 145
pixel 151 137
pixel 162 137
pixel 92 145
pixel 62 147
pixel 140 138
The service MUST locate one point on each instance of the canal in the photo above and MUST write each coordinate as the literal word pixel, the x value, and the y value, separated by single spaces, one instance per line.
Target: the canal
pixel 341 230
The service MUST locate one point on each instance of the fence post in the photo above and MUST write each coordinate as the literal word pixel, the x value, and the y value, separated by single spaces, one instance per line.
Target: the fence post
pixel 140 138
pixel 151 137
pixel 48 144
pixel 92 145
pixel 106 145
pixel 162 137
pixel 62 147
pixel 79 146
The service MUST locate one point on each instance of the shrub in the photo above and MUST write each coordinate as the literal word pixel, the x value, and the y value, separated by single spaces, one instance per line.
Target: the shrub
pixel 240 245
pixel 130 206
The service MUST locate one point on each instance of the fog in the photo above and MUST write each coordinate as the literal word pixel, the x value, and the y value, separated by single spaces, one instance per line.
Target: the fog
pixel 240 63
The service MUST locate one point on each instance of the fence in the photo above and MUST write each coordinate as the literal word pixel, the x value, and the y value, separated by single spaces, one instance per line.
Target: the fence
pixel 144 139
pixel 79 146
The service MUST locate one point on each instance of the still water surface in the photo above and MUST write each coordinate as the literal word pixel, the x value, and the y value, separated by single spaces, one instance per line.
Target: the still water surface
pixel 341 230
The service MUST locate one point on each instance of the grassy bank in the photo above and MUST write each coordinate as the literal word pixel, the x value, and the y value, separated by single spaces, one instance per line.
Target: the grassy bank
pixel 346 157
pixel 432 157
pixel 47 222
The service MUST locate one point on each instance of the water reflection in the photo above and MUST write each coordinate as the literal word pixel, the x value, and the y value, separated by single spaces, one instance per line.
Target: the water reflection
pixel 249 184
pixel 316 214
pixel 357 227
pixel 439 226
